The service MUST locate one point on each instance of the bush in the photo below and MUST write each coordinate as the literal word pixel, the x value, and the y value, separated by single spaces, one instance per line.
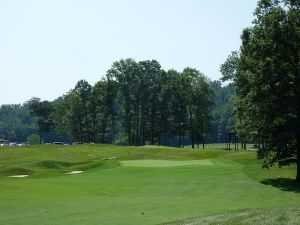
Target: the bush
pixel 121 139
pixel 33 139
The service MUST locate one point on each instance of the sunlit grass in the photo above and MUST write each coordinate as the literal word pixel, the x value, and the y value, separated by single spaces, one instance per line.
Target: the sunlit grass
pixel 140 185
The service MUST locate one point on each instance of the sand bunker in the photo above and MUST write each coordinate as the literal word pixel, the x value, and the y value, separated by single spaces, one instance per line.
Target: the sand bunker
pixel 166 163
pixel 19 176
pixel 75 172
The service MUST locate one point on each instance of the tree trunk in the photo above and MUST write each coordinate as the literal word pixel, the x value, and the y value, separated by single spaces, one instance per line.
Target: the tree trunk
pixel 160 130
pixel 235 143
pixel 129 136
pixel 298 159
pixel 179 136
pixel 183 137
pixel 229 140
pixel 191 126
pixel 103 134
pixel 165 139
pixel 113 127
pixel 87 136
pixel 81 133
pixel 40 135
pixel 152 123
pixel 137 141
pixel 298 168
pixel 152 132
pixel 103 137
pixel 203 142
pixel 227 145
pixel 94 130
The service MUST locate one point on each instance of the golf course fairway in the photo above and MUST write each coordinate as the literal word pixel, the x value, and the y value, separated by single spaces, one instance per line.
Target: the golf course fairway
pixel 115 185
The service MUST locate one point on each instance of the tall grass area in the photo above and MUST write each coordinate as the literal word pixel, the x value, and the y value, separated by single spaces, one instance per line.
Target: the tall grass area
pixel 143 185
pixel 222 146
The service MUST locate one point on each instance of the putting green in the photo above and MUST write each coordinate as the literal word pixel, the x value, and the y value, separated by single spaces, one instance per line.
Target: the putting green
pixel 166 163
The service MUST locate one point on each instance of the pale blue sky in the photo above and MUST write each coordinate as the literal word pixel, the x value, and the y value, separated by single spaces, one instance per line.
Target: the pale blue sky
pixel 46 46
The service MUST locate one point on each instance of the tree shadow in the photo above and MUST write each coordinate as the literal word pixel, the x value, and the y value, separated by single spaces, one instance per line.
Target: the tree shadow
pixel 284 184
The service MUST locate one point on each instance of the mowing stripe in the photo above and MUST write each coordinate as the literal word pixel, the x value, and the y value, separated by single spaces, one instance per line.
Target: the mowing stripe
pixel 166 163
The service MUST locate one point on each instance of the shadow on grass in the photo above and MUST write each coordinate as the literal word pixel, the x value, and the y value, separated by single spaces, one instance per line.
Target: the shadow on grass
pixel 284 184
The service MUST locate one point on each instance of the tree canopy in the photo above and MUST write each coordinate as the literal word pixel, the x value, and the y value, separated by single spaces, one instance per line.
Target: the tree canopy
pixel 135 103
pixel 267 75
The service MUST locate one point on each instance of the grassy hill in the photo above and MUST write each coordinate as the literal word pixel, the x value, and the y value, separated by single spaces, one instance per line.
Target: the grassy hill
pixel 142 185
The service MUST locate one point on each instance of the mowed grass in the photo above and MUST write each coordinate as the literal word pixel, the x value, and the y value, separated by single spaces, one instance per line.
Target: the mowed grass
pixel 166 163
pixel 142 185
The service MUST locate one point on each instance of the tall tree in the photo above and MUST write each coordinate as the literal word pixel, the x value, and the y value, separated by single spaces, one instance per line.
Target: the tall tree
pixel 151 91
pixel 268 82
pixel 165 107
pixel 84 90
pixel 104 109
pixel 111 106
pixel 59 118
pixel 201 102
pixel 42 110
pixel 223 111
pixel 125 72
pixel 75 115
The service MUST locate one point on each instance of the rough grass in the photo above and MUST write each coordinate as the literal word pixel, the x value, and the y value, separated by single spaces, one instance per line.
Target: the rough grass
pixel 289 216
pixel 159 188
pixel 51 164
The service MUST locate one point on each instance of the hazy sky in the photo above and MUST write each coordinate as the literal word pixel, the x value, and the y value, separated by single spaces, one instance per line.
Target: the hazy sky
pixel 46 46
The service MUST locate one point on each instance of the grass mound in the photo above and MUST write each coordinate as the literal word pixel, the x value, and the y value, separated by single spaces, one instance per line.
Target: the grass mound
pixel 46 168
pixel 103 164
pixel 15 171
pixel 51 164
pixel 288 216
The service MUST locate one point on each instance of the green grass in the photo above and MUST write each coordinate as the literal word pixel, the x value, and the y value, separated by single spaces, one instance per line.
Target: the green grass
pixel 289 216
pixel 166 163
pixel 143 185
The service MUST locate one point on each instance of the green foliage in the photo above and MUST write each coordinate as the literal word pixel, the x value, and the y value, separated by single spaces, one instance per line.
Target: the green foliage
pixel 42 111
pixel 223 115
pixel 121 139
pixel 155 105
pixel 33 139
pixel 138 100
pixel 60 119
pixel 228 69
pixel 16 123
pixel 268 82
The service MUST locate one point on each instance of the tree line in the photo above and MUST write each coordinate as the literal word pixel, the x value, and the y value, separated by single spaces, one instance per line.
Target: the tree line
pixel 136 103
